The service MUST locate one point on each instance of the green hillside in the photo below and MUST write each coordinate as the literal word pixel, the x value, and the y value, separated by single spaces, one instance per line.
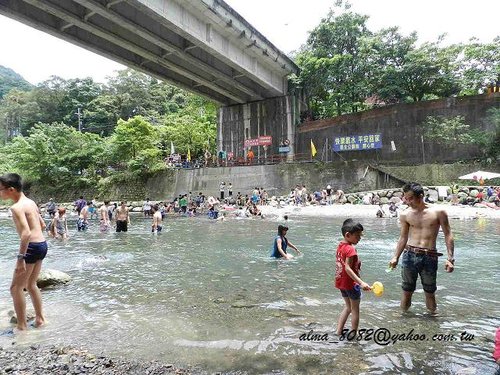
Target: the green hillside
pixel 10 79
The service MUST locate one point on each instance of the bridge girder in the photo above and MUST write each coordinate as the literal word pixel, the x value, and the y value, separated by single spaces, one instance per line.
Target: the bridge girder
pixel 162 38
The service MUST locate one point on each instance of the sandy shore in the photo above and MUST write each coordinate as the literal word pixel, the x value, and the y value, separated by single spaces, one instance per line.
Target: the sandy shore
pixel 363 211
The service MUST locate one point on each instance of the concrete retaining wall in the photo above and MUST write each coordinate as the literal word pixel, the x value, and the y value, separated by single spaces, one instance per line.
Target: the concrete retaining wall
pixel 277 179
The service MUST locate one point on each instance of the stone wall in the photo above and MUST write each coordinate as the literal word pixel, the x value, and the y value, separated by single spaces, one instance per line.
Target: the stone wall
pixel 400 123
pixel 277 179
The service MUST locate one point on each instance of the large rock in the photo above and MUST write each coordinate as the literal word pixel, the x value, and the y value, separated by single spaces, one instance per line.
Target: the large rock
pixel 52 277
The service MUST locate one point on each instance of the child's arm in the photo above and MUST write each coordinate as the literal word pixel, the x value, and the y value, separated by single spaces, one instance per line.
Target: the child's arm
pixel 352 274
pixel 294 247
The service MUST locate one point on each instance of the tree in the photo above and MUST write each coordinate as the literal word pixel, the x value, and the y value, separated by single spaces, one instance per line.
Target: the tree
pixel 388 53
pixel 450 131
pixel 334 65
pixel 135 142
pixel 54 153
pixel 14 111
pixel 479 66
pixel 430 71
pixel 492 138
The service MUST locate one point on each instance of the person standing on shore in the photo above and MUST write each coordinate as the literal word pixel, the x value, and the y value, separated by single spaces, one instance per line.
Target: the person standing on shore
pixel 32 249
pixel 222 188
pixel 419 229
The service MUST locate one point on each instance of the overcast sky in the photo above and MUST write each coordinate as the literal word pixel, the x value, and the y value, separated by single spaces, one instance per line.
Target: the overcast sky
pixel 286 23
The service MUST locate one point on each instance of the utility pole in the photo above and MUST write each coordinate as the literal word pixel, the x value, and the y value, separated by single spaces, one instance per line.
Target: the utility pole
pixel 79 113
pixel 423 149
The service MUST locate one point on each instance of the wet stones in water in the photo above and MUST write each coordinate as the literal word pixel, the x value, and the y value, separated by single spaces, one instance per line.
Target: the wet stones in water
pixel 54 360
pixel 241 304
pixel 13 318
pixel 220 300
pixel 52 277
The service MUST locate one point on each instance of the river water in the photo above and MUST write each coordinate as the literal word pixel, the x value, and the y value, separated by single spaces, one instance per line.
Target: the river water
pixel 206 294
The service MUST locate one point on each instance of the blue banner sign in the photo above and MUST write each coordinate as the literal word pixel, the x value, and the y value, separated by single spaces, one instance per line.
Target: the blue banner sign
pixel 284 149
pixel 357 142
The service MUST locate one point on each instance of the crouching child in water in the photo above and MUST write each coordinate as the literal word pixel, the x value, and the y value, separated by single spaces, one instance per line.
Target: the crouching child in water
pixel 347 270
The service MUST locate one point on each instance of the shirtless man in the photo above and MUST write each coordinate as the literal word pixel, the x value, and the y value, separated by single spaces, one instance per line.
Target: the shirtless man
pixel 122 217
pixel 157 220
pixel 104 217
pixel 419 229
pixel 32 249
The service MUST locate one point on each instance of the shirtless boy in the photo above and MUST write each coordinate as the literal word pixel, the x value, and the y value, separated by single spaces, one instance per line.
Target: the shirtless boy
pixel 157 220
pixel 104 217
pixel 122 217
pixel 32 249
pixel 419 229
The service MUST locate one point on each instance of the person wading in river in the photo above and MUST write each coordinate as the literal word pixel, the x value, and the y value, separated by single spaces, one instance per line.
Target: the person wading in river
pixel 32 249
pixel 419 229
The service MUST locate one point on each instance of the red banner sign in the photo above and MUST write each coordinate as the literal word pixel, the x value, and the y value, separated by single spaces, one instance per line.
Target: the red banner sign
pixel 251 142
pixel 264 140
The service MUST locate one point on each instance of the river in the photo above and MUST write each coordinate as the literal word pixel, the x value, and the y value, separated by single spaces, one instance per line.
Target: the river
pixel 204 293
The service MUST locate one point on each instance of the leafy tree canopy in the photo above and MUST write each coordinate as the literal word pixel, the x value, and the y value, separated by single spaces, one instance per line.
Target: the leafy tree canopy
pixel 345 67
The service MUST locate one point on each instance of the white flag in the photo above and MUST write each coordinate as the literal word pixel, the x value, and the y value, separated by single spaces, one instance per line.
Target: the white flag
pixel 172 149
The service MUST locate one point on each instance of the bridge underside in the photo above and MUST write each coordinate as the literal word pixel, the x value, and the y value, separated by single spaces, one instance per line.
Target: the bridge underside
pixel 202 46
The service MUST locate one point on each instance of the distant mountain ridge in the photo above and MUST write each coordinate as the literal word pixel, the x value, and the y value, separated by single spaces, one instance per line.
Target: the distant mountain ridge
pixel 9 79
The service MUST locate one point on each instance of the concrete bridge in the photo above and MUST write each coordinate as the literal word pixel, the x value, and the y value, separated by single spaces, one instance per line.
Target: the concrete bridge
pixel 203 46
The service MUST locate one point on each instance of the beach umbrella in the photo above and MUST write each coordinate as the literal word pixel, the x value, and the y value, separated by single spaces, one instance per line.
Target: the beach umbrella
pixel 480 175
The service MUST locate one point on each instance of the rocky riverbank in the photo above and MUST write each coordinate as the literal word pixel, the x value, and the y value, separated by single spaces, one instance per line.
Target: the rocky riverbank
pixel 66 360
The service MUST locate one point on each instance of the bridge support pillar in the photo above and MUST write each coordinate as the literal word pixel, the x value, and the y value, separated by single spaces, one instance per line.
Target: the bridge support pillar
pixel 267 127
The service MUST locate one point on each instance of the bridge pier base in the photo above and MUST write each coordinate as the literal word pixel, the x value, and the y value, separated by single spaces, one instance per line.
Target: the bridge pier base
pixel 267 127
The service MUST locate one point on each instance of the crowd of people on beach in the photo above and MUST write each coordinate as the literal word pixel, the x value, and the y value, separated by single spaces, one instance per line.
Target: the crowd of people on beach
pixel 116 215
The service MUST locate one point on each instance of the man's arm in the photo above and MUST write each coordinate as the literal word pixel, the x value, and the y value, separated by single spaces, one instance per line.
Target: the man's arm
pixel 403 239
pixel 449 240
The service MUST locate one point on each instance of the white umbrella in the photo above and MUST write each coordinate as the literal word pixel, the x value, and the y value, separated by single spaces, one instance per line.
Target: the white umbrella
pixel 480 175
